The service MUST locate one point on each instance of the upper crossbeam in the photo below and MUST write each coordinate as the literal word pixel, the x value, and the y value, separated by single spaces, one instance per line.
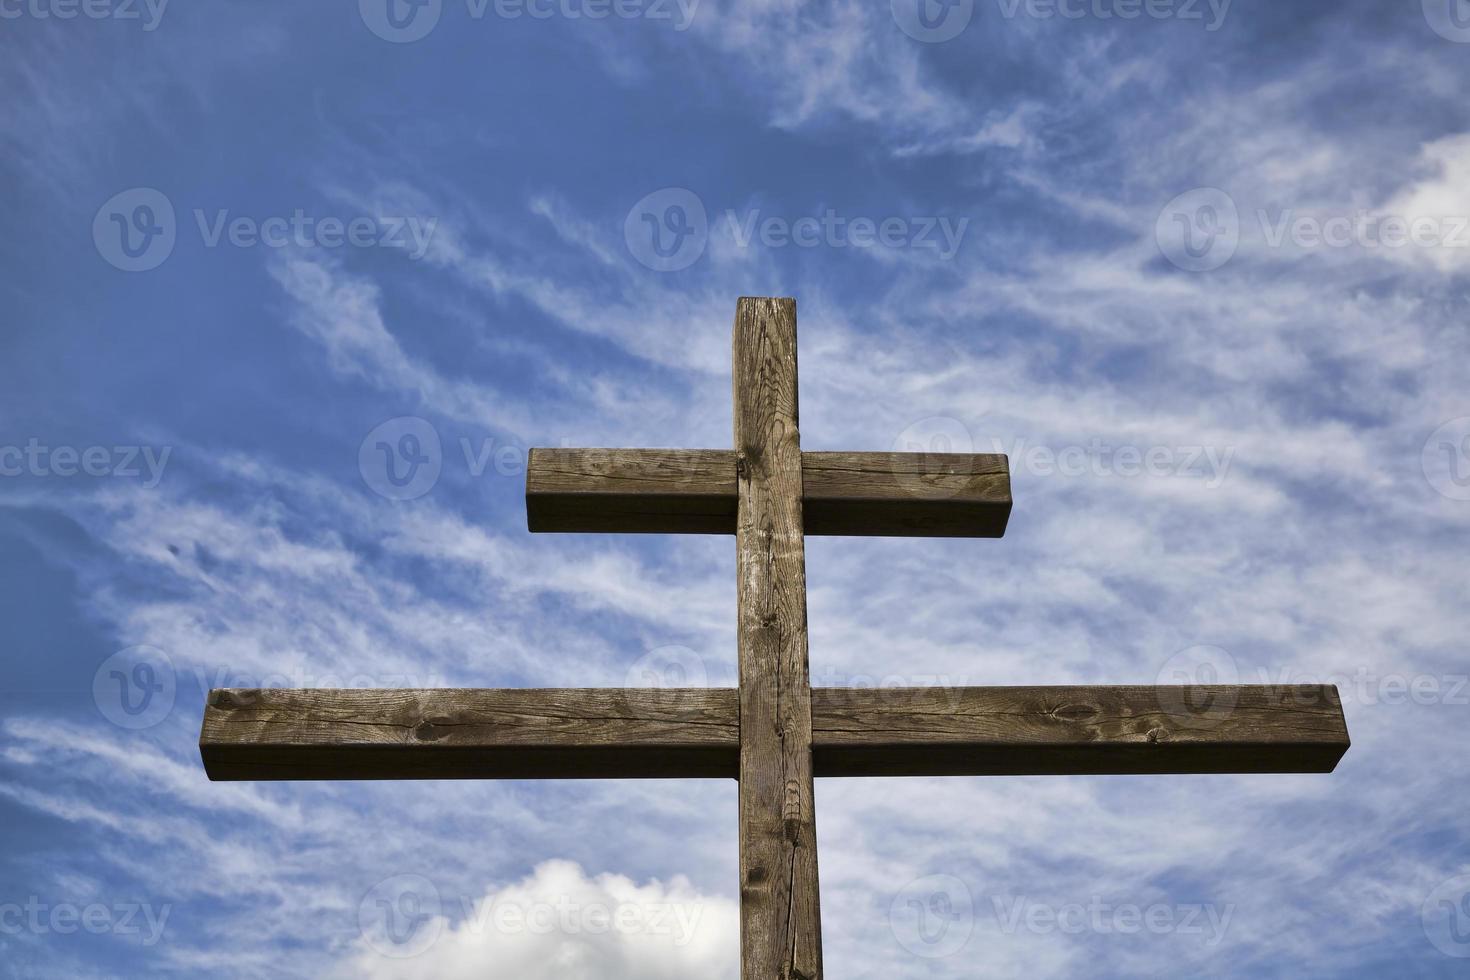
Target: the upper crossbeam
pixel 693 491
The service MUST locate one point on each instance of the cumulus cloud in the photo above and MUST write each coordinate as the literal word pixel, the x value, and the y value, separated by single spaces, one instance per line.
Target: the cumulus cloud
pixel 558 923
pixel 1440 202
pixel 1319 548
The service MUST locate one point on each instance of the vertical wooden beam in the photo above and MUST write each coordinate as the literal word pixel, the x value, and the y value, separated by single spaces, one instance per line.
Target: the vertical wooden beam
pixel 780 926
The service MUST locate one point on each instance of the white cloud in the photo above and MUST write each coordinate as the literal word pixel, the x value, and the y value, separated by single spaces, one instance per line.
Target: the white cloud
pixel 1322 550
pixel 1441 197
pixel 555 924
pixel 343 313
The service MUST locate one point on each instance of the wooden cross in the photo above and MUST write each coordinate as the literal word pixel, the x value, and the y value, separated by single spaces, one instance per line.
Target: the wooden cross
pixel 773 733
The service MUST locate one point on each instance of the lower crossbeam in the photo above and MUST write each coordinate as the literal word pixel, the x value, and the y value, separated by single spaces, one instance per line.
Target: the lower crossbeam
pixel 448 733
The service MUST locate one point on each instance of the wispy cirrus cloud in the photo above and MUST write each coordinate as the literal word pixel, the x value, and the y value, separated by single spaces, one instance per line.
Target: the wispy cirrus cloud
pixel 1308 535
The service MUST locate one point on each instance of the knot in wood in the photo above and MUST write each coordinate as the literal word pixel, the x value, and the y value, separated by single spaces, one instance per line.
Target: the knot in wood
pixel 1075 712
pixel 225 699
pixel 425 731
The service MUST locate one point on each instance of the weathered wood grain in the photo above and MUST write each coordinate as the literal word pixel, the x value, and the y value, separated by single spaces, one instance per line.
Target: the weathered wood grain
pixel 469 734
pixel 929 495
pixel 695 732
pixel 694 491
pixel 674 491
pixel 1038 731
pixel 780 922
pixel 773 733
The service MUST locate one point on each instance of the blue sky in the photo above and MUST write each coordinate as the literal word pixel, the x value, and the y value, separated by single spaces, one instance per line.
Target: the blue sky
pixel 1200 269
